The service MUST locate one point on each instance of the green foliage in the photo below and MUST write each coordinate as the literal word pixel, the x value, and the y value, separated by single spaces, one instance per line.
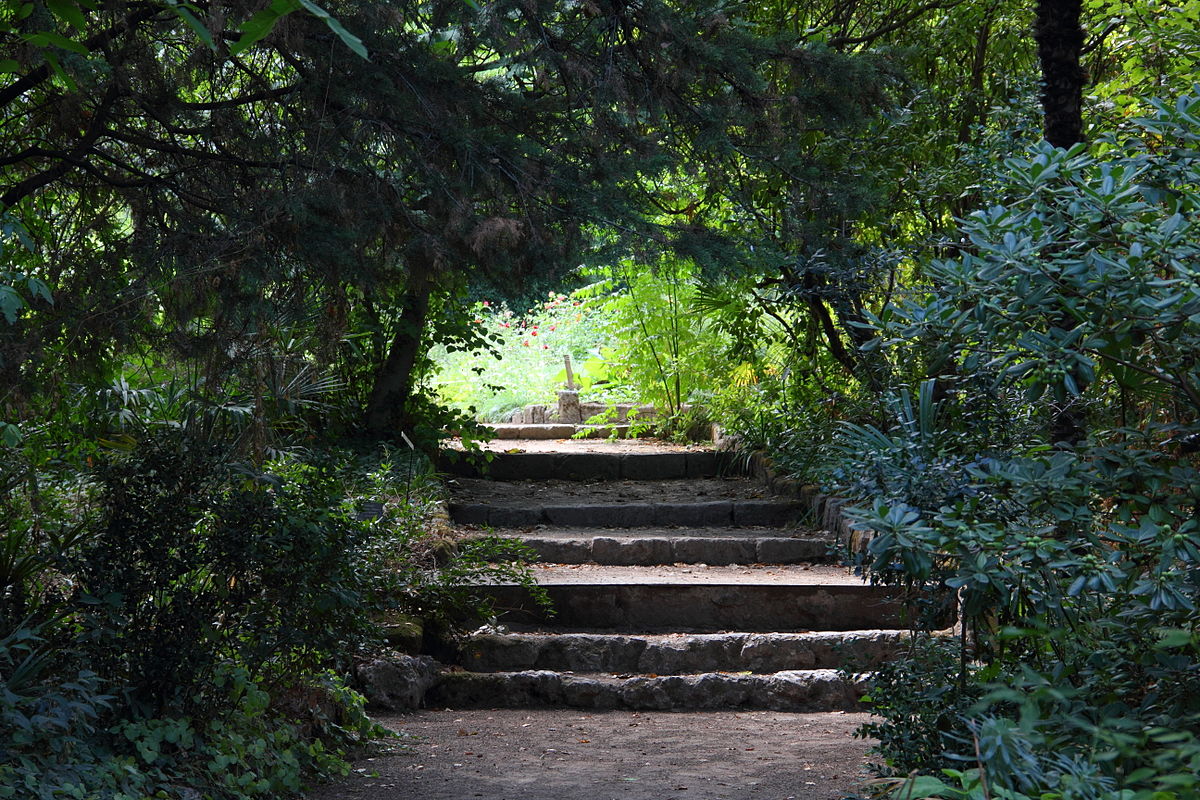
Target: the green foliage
pixel 1075 562
pixel 920 701
pixel 187 620
pixel 518 358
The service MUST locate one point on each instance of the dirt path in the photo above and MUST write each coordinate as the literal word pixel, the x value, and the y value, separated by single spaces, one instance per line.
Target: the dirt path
pixel 568 754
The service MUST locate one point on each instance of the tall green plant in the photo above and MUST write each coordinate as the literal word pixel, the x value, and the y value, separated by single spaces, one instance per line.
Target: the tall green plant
pixel 1076 564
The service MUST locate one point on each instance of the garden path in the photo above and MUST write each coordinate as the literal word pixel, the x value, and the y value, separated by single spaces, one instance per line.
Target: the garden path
pixel 694 652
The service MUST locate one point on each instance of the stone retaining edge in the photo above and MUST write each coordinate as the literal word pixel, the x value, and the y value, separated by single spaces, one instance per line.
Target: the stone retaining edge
pixel 792 690
pixel 650 551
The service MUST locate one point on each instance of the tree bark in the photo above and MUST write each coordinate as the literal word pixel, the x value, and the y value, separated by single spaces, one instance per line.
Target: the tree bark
pixel 1059 37
pixel 386 409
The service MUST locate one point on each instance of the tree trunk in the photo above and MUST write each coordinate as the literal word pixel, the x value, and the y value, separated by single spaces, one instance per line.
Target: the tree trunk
pixel 1059 37
pixel 386 409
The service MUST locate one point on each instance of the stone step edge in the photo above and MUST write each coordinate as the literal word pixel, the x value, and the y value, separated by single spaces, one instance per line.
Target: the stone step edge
pixel 790 690
pixel 718 513
pixel 560 430
pixel 698 608
pixel 678 654
pixel 589 466
pixel 662 550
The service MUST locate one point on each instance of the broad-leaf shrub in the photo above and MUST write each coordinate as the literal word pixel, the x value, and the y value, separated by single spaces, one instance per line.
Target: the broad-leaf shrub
pixel 1077 563
pixel 186 621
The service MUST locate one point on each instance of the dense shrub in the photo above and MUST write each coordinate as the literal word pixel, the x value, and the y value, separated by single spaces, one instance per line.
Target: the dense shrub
pixel 185 622
pixel 1075 560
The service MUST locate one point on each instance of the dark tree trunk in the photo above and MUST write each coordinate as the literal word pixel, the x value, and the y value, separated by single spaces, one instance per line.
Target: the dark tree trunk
pixel 386 409
pixel 1059 38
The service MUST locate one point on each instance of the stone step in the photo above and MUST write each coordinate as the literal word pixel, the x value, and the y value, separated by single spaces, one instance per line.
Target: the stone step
pixel 671 546
pixel 719 513
pixel 675 654
pixel 792 690
pixel 584 466
pixel 702 607
pixel 512 430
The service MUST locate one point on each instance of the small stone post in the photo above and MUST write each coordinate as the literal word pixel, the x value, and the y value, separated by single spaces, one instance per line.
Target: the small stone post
pixel 568 407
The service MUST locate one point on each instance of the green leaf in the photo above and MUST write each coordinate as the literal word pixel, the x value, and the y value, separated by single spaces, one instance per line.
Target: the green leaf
pixel 9 66
pixel 10 303
pixel 262 23
pixel 52 39
pixel 10 434
pixel 1174 637
pixel 192 21
pixel 348 38
pixel 926 786
pixel 68 12
pixel 60 73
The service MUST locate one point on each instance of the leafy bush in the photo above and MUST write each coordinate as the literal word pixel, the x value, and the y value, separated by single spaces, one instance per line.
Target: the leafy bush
pixel 921 699
pixel 186 621
pixel 1075 560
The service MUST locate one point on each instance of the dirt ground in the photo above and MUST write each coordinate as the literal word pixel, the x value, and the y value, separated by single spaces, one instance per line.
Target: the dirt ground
pixel 569 754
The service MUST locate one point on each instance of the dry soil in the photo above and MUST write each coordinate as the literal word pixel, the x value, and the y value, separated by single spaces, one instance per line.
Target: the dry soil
pixel 566 754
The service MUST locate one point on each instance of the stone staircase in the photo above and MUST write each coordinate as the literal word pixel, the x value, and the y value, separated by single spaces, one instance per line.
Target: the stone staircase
pixel 674 587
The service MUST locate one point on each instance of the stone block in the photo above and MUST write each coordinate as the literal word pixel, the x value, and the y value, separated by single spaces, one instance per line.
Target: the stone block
pixel 654 466
pixel 694 515
pixel 587 652
pixel 588 466
pixel 780 550
pixel 522 466
pixel 498 652
pixel 771 652
pixel 631 552
pixel 514 516
pixel 555 550
pixel 768 513
pixel 469 513
pixel 717 552
pixel 569 410
pixel 702 464
pixel 629 515
pixel 588 693
pixel 398 683
pixel 691 654
pixel 503 431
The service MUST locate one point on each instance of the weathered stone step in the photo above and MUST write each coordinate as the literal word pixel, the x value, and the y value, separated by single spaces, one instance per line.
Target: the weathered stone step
pixel 715 546
pixel 704 607
pixel 504 466
pixel 697 575
pixel 673 654
pixel 793 690
pixel 557 430
pixel 738 513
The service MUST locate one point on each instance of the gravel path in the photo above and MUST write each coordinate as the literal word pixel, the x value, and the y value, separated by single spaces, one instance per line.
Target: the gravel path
pixel 565 754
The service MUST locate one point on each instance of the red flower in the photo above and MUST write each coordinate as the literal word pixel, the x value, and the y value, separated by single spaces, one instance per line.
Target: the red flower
pixel 533 332
pixel 525 343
